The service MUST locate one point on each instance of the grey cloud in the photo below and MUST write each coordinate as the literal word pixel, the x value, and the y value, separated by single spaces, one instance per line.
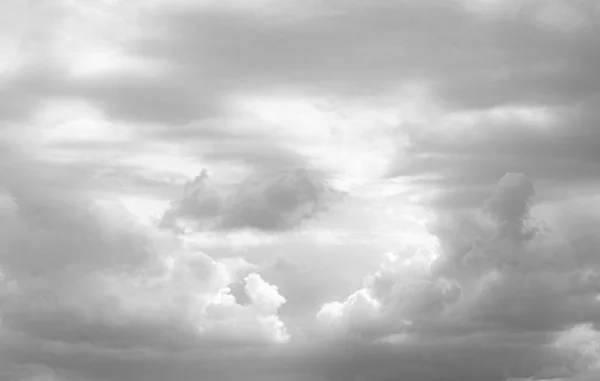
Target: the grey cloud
pixel 44 217
pixel 467 61
pixel 167 100
pixel 278 202
pixel 268 202
pixel 536 286
pixel 25 90
pixel 340 48
pixel 219 140
pixel 510 204
pixel 198 200
pixel 512 342
pixel 169 108
pixel 547 70
pixel 471 61
pixel 541 282
pixel 123 98
pixel 489 280
pixel 158 114
pixel 69 265
pixel 464 161
pixel 56 245
pixel 482 357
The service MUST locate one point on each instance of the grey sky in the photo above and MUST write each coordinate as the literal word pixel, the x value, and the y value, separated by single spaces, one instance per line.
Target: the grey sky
pixel 299 190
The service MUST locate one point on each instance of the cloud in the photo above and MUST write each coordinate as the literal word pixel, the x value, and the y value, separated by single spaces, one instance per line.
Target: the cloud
pixel 485 278
pixel 528 60
pixel 110 101
pixel 307 49
pixel 505 305
pixel 555 145
pixel 86 56
pixel 76 270
pixel 510 204
pixel 267 202
pixel 395 38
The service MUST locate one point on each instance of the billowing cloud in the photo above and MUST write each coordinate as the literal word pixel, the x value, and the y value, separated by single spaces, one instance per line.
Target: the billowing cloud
pixel 78 271
pixel 485 278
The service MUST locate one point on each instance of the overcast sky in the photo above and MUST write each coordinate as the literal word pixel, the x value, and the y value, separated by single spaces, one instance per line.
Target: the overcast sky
pixel 299 190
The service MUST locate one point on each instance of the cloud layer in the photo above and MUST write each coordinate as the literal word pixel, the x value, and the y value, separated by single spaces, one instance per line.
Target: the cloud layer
pixel 314 191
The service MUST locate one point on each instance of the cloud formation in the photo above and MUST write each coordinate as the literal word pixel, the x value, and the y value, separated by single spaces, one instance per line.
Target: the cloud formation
pixel 78 271
pixel 434 119
pixel 487 279
pixel 267 202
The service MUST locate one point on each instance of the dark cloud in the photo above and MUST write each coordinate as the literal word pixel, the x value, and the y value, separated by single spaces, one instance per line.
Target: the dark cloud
pixel 264 201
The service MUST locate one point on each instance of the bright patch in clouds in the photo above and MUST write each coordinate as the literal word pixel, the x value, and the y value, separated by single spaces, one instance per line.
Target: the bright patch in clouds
pixel 72 122
pixel 314 191
pixel 145 209
pixel 354 141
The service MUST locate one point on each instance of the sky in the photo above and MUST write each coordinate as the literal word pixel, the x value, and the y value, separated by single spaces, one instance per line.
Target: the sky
pixel 286 190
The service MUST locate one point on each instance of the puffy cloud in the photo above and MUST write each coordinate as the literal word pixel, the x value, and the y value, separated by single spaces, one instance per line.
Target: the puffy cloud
pixel 484 297
pixel 264 296
pixel 400 294
pixel 484 279
pixel 76 270
pixel 263 201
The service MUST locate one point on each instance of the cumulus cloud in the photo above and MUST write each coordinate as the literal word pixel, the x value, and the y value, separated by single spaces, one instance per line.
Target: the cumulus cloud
pixel 77 270
pixel 484 278
pixel 263 201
